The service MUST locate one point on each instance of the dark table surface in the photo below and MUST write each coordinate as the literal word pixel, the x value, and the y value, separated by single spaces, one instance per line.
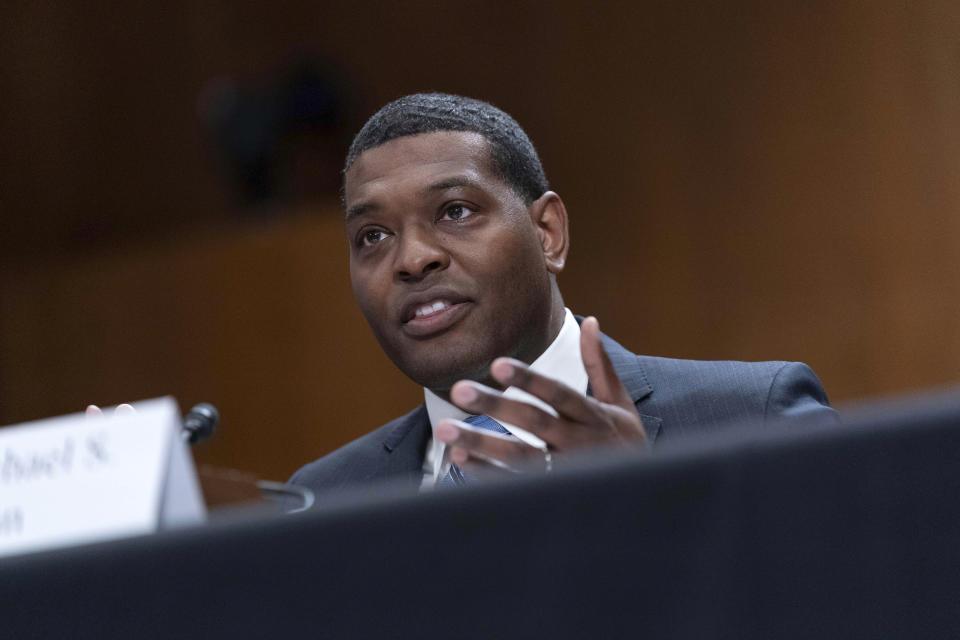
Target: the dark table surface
pixel 820 532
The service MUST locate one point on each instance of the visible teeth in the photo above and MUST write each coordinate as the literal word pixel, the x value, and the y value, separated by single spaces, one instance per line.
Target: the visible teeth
pixel 427 309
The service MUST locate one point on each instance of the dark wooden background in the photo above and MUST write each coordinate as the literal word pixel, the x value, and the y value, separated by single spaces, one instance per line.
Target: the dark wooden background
pixel 747 180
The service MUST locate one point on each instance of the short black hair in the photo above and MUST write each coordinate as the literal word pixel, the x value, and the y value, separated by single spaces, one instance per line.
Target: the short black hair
pixel 512 154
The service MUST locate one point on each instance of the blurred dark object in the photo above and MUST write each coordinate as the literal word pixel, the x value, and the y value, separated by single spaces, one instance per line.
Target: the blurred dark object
pixel 231 490
pixel 281 141
pixel 225 487
pixel 200 422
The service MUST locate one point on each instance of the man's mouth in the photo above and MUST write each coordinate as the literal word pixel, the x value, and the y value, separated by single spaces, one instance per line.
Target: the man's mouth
pixel 430 309
pixel 428 317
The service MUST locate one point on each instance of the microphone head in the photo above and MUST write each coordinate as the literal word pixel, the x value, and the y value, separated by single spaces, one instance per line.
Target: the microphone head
pixel 200 422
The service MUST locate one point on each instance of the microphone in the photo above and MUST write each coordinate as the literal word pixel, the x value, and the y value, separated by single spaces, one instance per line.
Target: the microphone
pixel 199 423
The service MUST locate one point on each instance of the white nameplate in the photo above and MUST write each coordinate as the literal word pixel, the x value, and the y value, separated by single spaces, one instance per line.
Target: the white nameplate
pixel 76 479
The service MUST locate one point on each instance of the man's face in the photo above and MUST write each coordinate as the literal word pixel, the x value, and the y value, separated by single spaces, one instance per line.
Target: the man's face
pixel 445 259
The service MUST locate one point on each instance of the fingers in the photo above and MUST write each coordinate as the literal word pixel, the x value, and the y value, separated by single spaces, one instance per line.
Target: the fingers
pixel 476 398
pixel 93 411
pixel 600 371
pixel 567 402
pixel 468 442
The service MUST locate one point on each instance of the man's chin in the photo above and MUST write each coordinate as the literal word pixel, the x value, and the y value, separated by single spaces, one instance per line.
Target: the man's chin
pixel 440 362
pixel 441 385
pixel 439 377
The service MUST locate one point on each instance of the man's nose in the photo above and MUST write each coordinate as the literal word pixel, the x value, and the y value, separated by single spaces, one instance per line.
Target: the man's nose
pixel 420 254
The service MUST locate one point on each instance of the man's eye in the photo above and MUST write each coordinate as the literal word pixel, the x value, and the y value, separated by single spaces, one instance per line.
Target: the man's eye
pixel 371 237
pixel 457 212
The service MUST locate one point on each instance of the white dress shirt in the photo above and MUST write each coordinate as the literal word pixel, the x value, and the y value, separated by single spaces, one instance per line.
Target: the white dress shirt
pixel 561 361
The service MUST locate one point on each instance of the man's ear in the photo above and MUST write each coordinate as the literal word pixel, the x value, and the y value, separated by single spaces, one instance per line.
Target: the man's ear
pixel 550 217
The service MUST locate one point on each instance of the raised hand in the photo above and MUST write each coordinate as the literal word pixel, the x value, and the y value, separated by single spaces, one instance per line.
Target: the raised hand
pixel 607 418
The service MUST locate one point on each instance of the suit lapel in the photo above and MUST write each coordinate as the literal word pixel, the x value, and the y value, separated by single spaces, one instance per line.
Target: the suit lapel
pixel 635 381
pixel 404 446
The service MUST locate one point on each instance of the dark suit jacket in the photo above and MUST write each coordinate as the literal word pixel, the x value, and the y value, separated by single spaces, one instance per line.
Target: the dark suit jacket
pixel 674 398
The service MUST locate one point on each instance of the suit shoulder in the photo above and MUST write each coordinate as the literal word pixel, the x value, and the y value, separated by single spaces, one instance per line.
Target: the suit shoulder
pixel 698 391
pixel 700 375
pixel 358 459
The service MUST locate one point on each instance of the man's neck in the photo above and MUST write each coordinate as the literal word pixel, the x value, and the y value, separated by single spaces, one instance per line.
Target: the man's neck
pixel 557 318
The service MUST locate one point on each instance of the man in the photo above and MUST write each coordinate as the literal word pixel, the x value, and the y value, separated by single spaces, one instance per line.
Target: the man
pixel 455 247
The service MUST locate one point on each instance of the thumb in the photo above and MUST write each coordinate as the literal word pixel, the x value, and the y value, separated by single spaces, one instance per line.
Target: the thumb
pixel 603 377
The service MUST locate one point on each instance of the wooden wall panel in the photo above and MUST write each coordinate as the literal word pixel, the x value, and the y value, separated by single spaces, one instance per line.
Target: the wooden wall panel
pixel 746 180
pixel 256 320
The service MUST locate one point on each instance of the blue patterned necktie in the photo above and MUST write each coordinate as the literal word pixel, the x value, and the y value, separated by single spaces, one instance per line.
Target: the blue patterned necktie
pixel 454 476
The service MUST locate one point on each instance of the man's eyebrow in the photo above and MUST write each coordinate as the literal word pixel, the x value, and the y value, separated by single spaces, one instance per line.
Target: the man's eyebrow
pixel 447 183
pixel 359 210
pixel 451 183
